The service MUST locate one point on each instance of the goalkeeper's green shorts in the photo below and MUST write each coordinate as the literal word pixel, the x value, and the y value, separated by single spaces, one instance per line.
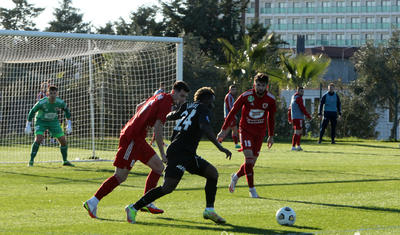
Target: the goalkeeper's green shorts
pixel 54 128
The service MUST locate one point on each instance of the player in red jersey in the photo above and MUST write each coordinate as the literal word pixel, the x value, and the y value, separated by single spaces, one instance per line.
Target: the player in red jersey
pixel 133 145
pixel 296 114
pixel 228 105
pixel 258 109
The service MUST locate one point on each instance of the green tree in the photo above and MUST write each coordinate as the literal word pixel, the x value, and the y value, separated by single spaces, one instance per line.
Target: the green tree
pixel 243 63
pixel 107 29
pixel 68 19
pixel 379 75
pixel 142 22
pixel 205 19
pixel 303 70
pixel 20 17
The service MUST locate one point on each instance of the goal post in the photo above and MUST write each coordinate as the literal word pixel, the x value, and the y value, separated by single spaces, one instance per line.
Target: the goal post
pixel 100 77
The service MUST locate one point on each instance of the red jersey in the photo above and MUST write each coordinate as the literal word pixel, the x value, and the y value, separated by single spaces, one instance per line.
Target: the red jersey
pixel 255 113
pixel 156 107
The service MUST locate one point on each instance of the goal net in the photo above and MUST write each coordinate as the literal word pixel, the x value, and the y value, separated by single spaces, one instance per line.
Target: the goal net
pixel 100 77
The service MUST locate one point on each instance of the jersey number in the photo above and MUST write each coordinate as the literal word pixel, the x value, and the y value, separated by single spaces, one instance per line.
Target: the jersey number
pixel 185 121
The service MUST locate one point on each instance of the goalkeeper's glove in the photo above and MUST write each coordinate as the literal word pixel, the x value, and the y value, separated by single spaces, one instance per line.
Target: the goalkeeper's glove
pixel 28 128
pixel 69 127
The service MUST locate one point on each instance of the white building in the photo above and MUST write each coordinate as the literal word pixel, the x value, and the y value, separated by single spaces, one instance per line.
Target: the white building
pixel 341 23
pixel 311 102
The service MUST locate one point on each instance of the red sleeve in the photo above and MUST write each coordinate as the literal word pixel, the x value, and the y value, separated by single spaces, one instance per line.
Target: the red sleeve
pixel 299 101
pixel 271 118
pixel 289 114
pixel 231 116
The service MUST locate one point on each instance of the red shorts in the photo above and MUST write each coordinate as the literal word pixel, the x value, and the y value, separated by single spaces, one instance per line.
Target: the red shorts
pixel 298 124
pixel 131 150
pixel 252 142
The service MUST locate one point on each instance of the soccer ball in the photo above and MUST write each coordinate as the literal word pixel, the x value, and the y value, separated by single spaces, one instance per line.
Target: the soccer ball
pixel 286 216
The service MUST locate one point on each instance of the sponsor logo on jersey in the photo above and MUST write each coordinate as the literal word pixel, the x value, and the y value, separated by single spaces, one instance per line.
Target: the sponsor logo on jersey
pixel 256 113
pixel 250 98
pixel 265 105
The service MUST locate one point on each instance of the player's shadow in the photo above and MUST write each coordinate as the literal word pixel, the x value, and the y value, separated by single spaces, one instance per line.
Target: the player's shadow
pixel 370 208
pixel 62 180
pixel 228 228
pixel 369 145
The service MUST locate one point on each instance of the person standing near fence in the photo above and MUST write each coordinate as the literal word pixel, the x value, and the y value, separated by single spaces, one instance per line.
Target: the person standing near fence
pixel 330 104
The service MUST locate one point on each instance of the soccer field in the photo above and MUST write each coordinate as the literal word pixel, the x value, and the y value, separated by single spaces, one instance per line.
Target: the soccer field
pixel 352 187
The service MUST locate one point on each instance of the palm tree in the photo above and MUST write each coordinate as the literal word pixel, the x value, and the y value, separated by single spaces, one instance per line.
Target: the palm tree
pixel 243 63
pixel 304 70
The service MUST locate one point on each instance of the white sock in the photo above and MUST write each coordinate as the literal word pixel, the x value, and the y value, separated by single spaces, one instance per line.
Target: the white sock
pixel 209 208
pixel 94 201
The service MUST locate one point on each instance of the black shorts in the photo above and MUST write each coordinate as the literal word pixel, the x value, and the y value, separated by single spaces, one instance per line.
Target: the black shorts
pixel 180 161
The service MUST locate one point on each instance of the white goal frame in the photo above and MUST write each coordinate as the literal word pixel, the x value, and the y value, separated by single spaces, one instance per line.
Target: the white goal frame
pixel 5 51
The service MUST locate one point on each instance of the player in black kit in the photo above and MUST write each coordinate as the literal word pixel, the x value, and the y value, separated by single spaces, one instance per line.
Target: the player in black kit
pixel 194 120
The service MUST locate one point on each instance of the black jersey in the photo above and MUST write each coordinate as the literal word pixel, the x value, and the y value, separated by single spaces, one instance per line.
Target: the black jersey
pixel 187 131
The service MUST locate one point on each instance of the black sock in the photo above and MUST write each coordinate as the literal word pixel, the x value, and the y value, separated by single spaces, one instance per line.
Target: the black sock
pixel 149 197
pixel 211 190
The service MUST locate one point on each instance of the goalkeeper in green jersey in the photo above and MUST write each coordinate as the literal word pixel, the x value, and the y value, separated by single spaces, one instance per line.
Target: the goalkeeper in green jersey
pixel 47 119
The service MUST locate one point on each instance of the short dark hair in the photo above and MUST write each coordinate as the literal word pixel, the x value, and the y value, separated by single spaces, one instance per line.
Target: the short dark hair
pixel 52 88
pixel 331 84
pixel 181 85
pixel 203 93
pixel 232 86
pixel 261 77
pixel 300 88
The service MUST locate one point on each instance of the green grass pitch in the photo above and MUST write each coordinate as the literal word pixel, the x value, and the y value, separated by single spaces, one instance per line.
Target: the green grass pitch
pixel 352 187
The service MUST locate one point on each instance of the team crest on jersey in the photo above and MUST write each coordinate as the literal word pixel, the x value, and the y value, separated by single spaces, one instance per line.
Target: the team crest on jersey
pixel 265 105
pixel 250 99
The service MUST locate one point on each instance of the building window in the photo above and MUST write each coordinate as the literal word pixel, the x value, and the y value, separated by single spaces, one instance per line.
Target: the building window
pixel 324 37
pixel 386 3
pixel 369 36
pixel 355 20
pixel 355 37
pixel 281 21
pixel 252 5
pixel 370 20
pixel 326 4
pixel 297 4
pixel 341 4
pixel 310 20
pixel 340 36
pixel 267 5
pixel 340 20
pixel 282 5
pixel 398 20
pixel 325 20
pixel 355 3
pixel 371 3
pixel 398 2
pixel 310 4
pixel 385 20
pixel 267 21
pixel 296 20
